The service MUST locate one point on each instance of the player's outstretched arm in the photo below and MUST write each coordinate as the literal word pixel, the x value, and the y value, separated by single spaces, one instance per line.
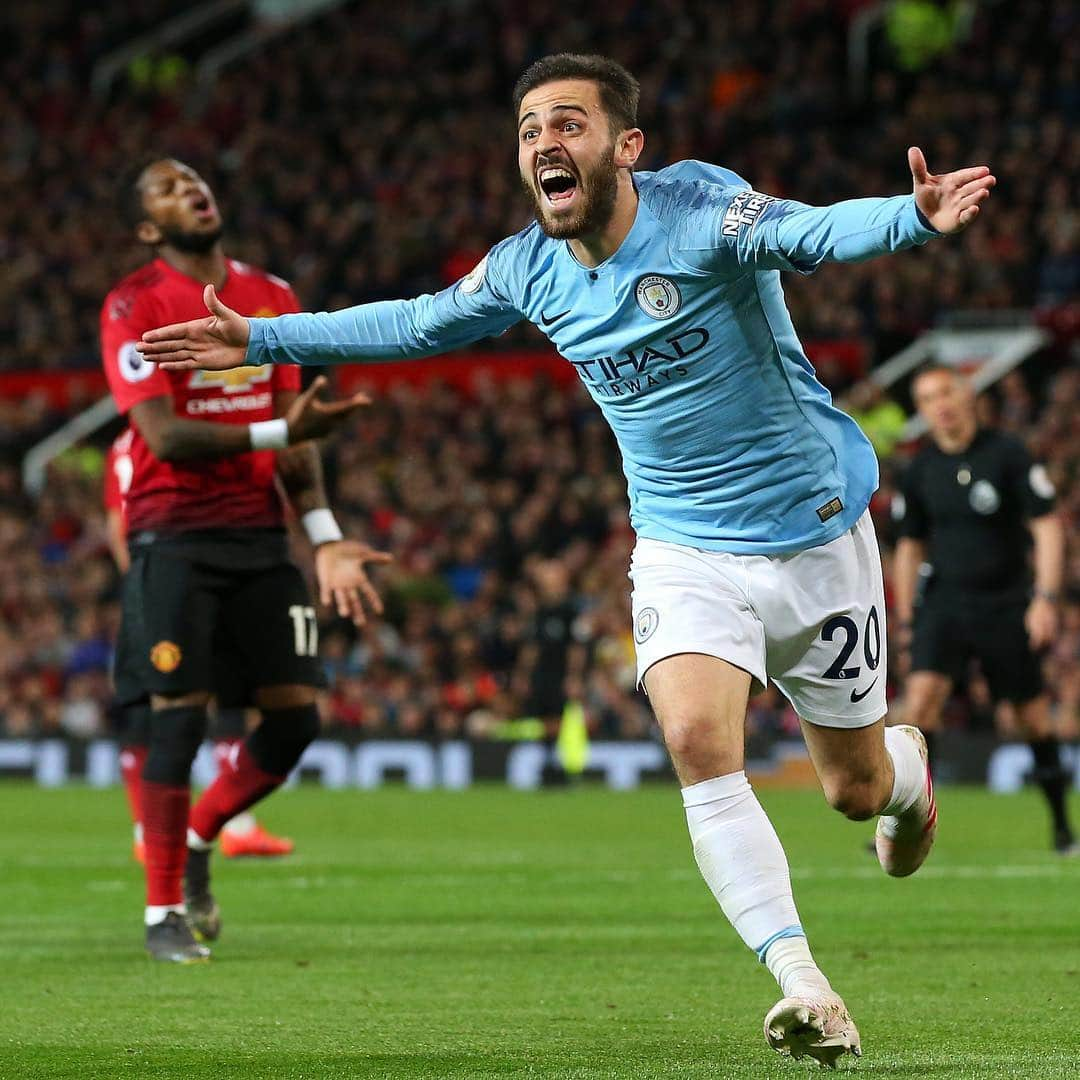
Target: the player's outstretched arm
pixel 766 233
pixel 949 201
pixel 216 343
pixel 472 309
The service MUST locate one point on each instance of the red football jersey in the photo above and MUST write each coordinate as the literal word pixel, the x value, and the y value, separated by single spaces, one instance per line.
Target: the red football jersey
pixel 225 492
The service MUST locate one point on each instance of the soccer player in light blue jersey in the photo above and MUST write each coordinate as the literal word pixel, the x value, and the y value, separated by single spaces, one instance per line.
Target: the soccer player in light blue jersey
pixel 756 556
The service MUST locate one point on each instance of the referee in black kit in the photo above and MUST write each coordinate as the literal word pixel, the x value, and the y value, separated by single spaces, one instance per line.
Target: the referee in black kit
pixel 972 503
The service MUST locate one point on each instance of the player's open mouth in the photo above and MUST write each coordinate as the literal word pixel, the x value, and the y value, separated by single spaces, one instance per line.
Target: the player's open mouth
pixel 202 207
pixel 558 184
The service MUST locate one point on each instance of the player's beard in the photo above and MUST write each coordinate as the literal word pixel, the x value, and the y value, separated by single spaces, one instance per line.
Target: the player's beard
pixel 191 243
pixel 597 191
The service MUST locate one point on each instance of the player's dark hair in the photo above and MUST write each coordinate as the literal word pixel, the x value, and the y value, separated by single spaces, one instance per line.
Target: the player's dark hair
pixel 129 203
pixel 619 90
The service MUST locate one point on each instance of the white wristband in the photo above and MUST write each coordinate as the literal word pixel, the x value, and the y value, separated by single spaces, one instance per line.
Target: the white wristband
pixel 269 434
pixel 321 527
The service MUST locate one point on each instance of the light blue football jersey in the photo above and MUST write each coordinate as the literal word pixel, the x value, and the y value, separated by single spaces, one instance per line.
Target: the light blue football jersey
pixel 683 339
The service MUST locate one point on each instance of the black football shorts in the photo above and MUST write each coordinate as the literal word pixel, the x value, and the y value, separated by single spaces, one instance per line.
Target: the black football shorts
pixel 953 629
pixel 225 613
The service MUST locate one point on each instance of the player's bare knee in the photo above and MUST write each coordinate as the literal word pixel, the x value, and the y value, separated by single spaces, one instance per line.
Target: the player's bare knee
pixel 1033 718
pixel 923 712
pixel 924 700
pixel 696 748
pixel 194 699
pixel 292 696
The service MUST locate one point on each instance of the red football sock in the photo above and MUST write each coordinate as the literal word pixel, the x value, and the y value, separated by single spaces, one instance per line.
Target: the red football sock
pixel 239 784
pixel 132 759
pixel 165 819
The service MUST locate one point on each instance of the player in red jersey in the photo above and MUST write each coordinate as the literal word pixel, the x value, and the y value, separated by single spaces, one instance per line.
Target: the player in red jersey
pixel 209 564
pixel 243 835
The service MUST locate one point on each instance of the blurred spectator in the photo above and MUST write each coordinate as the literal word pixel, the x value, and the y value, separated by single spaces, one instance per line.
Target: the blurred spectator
pixel 881 419
pixel 919 30
pixel 369 153
pixel 506 511
pixel 394 178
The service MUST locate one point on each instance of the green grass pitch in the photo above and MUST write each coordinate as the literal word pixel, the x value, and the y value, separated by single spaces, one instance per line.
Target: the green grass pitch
pixel 558 934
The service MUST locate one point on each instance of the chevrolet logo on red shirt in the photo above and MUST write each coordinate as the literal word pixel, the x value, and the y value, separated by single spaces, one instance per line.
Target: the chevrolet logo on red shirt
pixel 232 381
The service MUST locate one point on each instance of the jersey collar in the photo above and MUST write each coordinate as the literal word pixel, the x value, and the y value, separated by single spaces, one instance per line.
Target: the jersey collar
pixel 628 253
pixel 171 271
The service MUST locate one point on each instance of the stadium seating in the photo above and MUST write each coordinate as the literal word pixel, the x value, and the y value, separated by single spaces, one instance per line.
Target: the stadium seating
pixel 396 181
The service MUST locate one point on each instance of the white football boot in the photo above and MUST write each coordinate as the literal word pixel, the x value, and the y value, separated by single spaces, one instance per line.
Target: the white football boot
pixel 817 1026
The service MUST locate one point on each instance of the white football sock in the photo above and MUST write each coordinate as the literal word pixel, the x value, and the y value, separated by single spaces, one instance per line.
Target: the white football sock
pixel 156 913
pixel 792 966
pixel 742 862
pixel 195 841
pixel 244 822
pixel 909 781
pixel 137 832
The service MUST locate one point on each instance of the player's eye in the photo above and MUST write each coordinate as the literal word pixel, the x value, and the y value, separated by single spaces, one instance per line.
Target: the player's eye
pixel 571 125
pixel 529 133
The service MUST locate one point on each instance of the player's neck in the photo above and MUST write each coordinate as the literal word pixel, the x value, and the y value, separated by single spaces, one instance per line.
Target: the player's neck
pixel 593 249
pixel 209 268
pixel 957 441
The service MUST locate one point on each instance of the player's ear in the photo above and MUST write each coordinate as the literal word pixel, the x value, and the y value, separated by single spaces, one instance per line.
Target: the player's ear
pixel 148 233
pixel 628 147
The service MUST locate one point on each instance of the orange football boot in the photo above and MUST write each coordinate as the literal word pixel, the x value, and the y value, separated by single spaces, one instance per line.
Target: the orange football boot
pixel 256 842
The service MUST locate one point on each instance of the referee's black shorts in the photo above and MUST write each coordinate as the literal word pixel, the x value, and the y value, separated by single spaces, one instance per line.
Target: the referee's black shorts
pixel 952 629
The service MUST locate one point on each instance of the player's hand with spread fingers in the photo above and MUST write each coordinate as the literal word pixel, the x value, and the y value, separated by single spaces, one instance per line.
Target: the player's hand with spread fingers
pixel 343 580
pixel 216 343
pixel 310 418
pixel 951 201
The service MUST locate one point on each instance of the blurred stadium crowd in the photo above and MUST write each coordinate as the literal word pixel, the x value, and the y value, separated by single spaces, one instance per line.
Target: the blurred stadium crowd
pixel 506 512
pixel 370 153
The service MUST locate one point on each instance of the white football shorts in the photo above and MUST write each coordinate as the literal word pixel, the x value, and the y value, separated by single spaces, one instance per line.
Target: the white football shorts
pixel 812 621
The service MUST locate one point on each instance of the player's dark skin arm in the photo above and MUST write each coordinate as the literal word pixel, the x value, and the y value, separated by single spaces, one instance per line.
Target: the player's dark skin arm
pixel 299 468
pixel 172 438
pixel 340 564
pixel 175 438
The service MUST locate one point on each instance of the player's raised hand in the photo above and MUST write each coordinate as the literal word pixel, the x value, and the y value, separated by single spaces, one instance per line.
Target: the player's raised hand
pixel 950 202
pixel 343 580
pixel 310 418
pixel 216 343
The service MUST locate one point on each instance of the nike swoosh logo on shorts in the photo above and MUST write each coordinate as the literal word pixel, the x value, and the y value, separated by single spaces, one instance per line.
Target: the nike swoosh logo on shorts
pixel 856 696
pixel 547 321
